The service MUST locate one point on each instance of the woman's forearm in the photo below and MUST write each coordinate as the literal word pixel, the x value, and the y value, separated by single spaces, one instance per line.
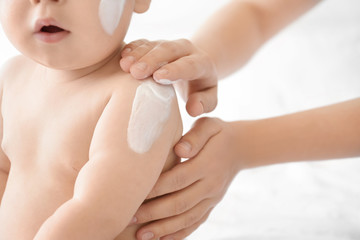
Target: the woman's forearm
pixel 323 133
pixel 234 33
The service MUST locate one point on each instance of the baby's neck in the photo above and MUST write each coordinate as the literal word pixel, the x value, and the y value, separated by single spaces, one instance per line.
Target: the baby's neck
pixel 109 64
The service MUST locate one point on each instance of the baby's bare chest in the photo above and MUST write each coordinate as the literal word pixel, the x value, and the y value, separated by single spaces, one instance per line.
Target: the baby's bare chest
pixel 54 126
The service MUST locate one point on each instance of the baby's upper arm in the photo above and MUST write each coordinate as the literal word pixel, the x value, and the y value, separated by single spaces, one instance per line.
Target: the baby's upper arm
pixel 130 145
pixel 6 72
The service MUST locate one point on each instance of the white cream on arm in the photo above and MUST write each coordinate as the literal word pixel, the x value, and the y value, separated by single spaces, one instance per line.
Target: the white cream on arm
pixel 110 12
pixel 150 111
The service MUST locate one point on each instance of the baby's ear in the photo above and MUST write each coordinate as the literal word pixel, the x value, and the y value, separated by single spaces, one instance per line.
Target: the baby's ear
pixel 141 6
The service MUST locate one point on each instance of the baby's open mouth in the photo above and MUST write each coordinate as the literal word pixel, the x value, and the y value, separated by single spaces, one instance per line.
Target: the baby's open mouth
pixel 48 30
pixel 51 29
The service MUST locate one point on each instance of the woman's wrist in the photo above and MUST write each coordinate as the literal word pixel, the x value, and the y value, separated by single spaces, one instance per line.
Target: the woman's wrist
pixel 253 143
pixel 238 134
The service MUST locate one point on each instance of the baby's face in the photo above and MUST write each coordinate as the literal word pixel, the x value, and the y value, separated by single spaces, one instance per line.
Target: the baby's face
pixel 66 34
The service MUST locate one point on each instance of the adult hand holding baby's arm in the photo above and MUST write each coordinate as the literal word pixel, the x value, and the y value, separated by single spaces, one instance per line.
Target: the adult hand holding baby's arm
pixel 219 150
pixel 179 62
pixel 188 192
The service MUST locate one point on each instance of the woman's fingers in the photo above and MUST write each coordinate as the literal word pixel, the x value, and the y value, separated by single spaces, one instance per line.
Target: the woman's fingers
pixel 146 57
pixel 178 62
pixel 132 45
pixel 211 170
pixel 182 234
pixel 179 177
pixel 177 224
pixel 194 141
pixel 133 51
pixel 161 54
pixel 188 68
pixel 202 101
pixel 173 204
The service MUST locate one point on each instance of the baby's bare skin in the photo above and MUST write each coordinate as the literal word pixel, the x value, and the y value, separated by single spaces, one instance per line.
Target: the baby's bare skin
pixel 48 127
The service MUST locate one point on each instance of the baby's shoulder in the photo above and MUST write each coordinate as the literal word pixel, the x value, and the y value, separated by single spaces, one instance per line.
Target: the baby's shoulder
pixel 15 67
pixel 123 82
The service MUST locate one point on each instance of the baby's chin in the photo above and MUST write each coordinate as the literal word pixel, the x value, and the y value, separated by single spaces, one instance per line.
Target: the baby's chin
pixel 77 62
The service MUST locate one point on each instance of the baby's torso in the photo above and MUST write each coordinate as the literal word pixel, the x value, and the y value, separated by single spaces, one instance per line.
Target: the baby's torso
pixel 47 131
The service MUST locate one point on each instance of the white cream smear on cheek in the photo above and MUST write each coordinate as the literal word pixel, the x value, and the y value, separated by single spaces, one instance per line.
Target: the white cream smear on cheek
pixel 110 12
pixel 150 111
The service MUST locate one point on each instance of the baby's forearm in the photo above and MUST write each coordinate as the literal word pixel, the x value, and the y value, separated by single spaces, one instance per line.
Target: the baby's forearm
pixel 102 205
pixel 324 133
pixel 77 219
pixel 234 33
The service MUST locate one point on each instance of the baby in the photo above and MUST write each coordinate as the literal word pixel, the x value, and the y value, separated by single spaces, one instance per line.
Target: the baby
pixel 82 142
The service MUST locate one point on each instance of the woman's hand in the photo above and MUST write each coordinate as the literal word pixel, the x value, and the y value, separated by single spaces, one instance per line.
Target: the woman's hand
pixel 183 197
pixel 176 62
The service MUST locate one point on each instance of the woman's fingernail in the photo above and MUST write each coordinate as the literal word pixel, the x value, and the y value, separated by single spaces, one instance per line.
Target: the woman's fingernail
pixel 202 107
pixel 162 72
pixel 185 145
pixel 126 50
pixel 133 220
pixel 129 59
pixel 147 236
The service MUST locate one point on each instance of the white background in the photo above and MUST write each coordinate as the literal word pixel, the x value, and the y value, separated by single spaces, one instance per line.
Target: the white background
pixel 314 62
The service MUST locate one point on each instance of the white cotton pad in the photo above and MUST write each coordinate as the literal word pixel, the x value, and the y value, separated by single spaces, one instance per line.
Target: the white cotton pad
pixel 110 12
pixel 150 111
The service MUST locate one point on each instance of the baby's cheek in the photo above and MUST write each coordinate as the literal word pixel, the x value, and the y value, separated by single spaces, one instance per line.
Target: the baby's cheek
pixel 110 12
